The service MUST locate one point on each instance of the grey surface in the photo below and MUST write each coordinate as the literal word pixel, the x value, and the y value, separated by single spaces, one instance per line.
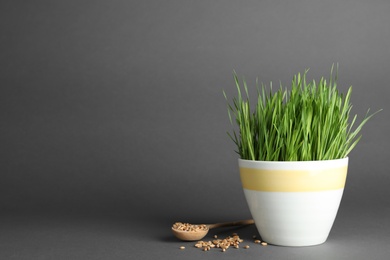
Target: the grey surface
pixel 113 123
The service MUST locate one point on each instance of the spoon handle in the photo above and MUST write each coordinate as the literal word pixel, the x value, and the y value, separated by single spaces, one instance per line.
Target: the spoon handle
pixel 230 224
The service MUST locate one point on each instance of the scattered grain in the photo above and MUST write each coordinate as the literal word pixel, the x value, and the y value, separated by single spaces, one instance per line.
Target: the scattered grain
pixel 224 244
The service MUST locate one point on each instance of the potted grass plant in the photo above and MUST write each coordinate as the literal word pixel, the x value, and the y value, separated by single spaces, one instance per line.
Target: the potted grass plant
pixel 293 147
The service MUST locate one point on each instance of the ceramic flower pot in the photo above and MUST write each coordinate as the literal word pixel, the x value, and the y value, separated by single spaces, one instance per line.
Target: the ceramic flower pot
pixel 294 203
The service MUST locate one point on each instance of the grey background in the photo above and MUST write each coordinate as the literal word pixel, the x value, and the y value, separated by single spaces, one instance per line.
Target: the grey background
pixel 113 123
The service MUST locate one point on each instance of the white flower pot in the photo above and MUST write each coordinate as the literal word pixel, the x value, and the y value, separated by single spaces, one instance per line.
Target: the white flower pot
pixel 294 203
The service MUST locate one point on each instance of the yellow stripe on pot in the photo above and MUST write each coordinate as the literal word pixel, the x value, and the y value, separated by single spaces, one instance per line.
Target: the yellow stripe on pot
pixel 293 180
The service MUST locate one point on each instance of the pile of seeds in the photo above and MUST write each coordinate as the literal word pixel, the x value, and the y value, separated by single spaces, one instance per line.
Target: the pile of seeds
pixel 224 244
pixel 230 241
pixel 189 227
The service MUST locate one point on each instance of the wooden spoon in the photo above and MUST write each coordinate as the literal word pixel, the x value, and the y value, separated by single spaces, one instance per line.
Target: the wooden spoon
pixel 199 234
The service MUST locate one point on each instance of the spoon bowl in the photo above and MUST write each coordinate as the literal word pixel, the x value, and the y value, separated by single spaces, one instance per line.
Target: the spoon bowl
pixel 190 235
